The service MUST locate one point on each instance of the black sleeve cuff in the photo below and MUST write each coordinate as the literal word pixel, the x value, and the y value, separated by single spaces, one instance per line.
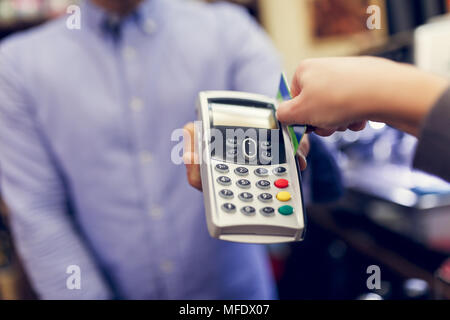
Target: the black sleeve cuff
pixel 433 150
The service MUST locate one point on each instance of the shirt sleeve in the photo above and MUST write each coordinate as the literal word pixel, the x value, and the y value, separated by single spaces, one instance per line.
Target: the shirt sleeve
pixel 44 233
pixel 433 151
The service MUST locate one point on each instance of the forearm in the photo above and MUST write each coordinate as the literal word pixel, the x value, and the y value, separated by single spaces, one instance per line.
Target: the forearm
pixel 48 245
pixel 405 98
pixel 36 198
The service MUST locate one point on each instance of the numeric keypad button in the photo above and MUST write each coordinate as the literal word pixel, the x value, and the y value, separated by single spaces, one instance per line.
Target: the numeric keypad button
pixel 224 181
pixel 246 196
pixel 261 172
pixel 226 194
pixel 280 171
pixel 222 168
pixel 241 171
pixel 268 211
pixel 265 197
pixel 286 210
pixel 281 183
pixel 263 184
pixel 248 211
pixel 243 183
pixel 229 208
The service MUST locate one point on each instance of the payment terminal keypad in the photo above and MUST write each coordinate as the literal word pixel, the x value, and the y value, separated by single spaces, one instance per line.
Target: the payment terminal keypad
pixel 254 191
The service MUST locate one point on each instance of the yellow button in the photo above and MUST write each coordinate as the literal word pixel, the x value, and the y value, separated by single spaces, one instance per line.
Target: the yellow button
pixel 284 196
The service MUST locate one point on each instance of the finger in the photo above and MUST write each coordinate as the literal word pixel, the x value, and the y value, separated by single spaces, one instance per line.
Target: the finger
pixel 324 132
pixel 190 157
pixel 304 146
pixel 358 126
pixel 288 114
pixel 192 170
pixel 296 87
pixel 302 161
pixel 302 152
pixel 188 135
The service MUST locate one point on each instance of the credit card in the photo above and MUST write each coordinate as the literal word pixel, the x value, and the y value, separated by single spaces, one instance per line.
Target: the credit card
pixel 284 93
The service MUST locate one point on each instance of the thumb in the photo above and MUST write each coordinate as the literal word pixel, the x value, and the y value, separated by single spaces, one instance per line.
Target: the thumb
pixel 288 112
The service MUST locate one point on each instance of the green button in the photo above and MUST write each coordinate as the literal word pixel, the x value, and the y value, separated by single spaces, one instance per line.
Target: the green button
pixel 286 210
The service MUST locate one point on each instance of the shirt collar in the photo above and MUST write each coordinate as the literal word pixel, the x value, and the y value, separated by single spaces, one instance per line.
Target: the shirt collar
pixel 144 17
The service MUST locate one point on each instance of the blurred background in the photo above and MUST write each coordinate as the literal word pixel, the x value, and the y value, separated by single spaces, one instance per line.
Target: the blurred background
pixel 389 215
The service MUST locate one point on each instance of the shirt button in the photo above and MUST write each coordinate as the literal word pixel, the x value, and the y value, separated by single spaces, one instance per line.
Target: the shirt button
pixel 150 26
pixel 136 104
pixel 156 212
pixel 166 266
pixel 129 53
pixel 146 157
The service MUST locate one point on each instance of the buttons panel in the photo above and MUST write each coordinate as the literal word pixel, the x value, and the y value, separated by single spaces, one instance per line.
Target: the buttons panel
pixel 261 193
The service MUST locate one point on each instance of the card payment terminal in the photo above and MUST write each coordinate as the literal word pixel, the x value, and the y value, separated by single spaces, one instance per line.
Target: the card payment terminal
pixel 250 174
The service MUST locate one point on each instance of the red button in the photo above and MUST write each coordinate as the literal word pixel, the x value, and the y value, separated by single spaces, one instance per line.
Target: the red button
pixel 281 183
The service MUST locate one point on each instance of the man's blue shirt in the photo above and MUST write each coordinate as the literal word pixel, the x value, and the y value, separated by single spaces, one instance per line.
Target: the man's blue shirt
pixel 86 118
